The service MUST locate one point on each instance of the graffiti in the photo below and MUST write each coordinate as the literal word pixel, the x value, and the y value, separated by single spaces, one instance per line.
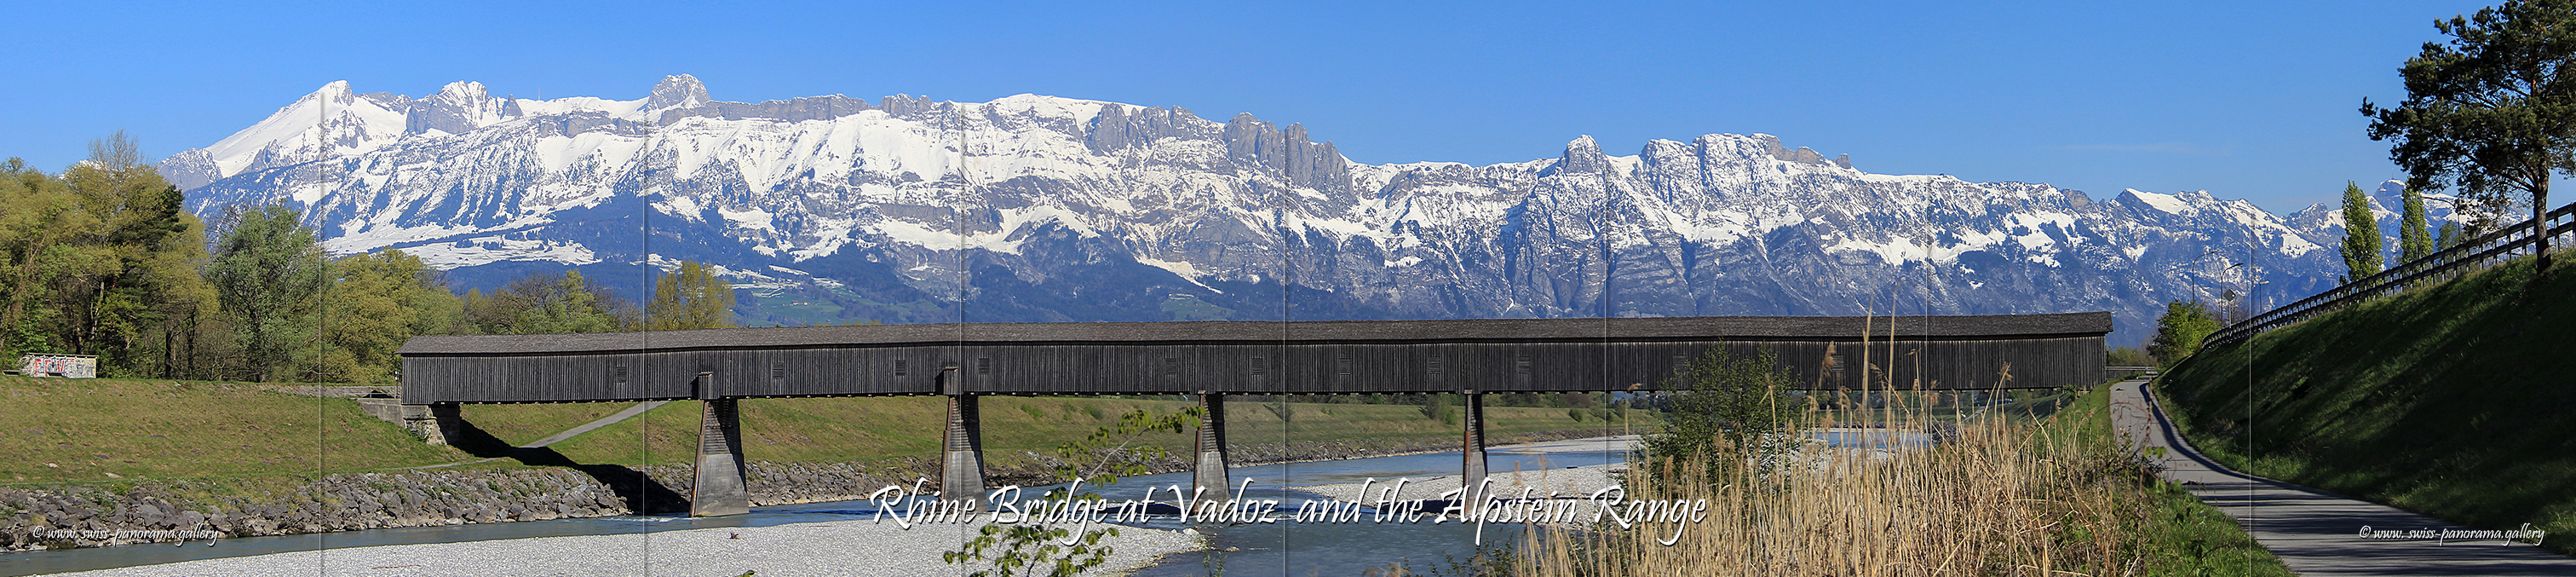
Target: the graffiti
pixel 50 365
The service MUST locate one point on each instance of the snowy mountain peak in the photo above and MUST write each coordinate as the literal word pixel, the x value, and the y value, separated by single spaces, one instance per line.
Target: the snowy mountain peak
pixel 1582 156
pixel 464 91
pixel 677 91
pixel 458 108
pixel 328 122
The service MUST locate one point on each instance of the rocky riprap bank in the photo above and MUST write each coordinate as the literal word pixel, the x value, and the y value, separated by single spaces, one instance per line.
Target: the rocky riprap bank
pixel 343 502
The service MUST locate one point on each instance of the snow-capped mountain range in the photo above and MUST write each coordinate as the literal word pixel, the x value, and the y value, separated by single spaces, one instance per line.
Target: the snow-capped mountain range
pixel 1038 208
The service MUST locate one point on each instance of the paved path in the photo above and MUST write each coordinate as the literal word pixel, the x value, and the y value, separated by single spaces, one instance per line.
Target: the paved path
pixel 2315 532
pixel 638 409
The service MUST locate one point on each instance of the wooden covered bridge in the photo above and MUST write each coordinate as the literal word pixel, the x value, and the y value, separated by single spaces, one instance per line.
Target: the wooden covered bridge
pixel 1210 360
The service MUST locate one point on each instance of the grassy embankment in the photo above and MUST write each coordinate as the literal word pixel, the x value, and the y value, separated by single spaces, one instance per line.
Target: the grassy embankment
pixel 2449 400
pixel 204 437
pixel 2016 492
pixel 117 431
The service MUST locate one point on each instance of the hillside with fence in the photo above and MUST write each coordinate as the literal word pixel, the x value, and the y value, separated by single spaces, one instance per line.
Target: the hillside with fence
pixel 2438 389
pixel 2485 250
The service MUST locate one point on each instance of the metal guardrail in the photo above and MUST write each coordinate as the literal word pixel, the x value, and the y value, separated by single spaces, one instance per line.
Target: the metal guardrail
pixel 2473 252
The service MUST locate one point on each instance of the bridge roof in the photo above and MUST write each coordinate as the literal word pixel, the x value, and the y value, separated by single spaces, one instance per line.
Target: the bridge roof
pixel 1459 330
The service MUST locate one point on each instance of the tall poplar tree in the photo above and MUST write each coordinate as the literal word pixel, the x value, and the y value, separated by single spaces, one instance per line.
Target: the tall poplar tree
pixel 2414 231
pixel 2360 234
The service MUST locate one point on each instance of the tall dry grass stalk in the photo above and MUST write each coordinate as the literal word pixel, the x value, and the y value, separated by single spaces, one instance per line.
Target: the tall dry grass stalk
pixel 1995 496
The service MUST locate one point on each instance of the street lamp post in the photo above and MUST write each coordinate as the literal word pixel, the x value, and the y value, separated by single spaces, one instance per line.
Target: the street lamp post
pixel 2236 303
pixel 2211 276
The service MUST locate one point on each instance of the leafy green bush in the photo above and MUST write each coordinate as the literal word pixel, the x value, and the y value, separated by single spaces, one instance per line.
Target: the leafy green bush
pixel 2180 330
pixel 1729 405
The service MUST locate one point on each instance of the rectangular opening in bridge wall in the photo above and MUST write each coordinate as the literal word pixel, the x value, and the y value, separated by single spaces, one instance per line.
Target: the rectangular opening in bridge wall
pixel 875 370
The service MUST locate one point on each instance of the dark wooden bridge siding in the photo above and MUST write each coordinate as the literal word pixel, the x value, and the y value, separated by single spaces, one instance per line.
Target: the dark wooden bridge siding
pixel 1241 357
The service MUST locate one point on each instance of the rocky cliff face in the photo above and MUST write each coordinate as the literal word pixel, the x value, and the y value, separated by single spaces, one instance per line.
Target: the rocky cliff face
pixel 1035 208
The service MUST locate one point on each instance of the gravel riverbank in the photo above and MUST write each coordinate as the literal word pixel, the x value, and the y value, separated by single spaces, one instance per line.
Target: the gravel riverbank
pixel 855 547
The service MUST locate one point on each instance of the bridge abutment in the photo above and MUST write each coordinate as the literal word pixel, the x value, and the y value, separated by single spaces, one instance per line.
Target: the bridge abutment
pixel 961 468
pixel 436 423
pixel 1210 471
pixel 719 489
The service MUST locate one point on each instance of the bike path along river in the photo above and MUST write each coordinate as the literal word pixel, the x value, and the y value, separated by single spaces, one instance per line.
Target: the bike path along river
pixel 2314 532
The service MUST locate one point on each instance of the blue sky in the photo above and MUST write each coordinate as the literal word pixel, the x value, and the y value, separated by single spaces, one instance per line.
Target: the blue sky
pixel 2244 99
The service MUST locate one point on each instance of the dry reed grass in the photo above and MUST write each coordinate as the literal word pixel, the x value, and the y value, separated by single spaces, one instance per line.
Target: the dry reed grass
pixel 1996 496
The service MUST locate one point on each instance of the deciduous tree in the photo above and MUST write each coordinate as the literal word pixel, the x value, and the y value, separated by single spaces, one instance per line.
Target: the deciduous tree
pixel 381 301
pixel 1728 409
pixel 92 260
pixel 2180 330
pixel 691 298
pixel 548 304
pixel 268 271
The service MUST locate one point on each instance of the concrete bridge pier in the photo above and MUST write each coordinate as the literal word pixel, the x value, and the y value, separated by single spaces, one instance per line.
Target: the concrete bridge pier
pixel 961 467
pixel 1472 445
pixel 719 489
pixel 1210 473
